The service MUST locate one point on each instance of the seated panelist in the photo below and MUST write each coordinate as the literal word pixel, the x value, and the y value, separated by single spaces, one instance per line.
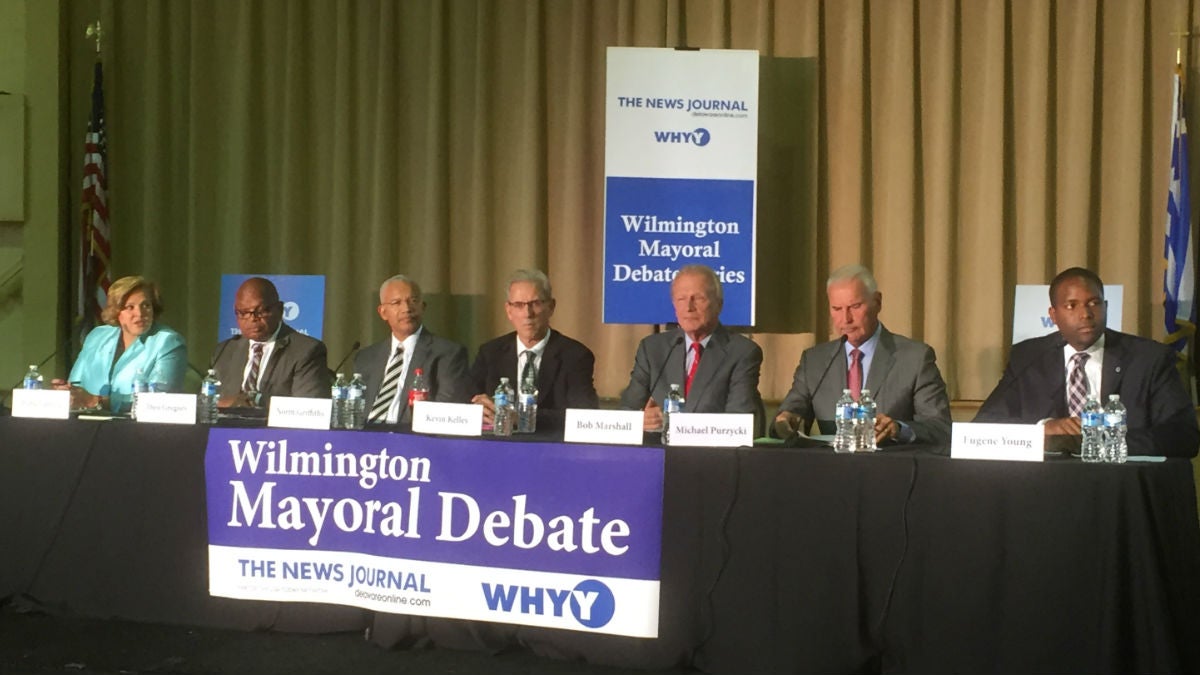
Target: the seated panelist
pixel 1049 378
pixel 717 370
pixel 561 368
pixel 131 341
pixel 901 373
pixel 389 366
pixel 269 358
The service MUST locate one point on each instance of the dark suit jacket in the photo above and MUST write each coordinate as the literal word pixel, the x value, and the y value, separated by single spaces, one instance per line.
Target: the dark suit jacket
pixel 297 367
pixel 564 376
pixel 904 381
pixel 1161 418
pixel 443 361
pixel 726 379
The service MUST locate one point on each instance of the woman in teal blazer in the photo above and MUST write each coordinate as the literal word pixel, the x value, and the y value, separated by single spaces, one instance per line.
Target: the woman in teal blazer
pixel 133 341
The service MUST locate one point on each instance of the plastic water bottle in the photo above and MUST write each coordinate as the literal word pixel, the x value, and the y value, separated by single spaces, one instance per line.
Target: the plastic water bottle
pixel 1115 447
pixel 140 386
pixel 866 418
pixel 1092 423
pixel 206 403
pixel 419 391
pixel 356 402
pixel 844 412
pixel 340 393
pixel 503 398
pixel 527 405
pixel 33 379
pixel 673 403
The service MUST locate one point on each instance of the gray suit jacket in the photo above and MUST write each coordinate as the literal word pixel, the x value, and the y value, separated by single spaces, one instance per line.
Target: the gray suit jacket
pixel 443 361
pixel 904 381
pixel 726 379
pixel 297 366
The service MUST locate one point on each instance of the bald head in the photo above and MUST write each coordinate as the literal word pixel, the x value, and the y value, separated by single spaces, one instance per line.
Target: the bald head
pixel 257 308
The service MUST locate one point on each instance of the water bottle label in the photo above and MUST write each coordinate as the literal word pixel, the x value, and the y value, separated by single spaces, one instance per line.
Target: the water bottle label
pixel 528 400
pixel 208 389
pixel 501 400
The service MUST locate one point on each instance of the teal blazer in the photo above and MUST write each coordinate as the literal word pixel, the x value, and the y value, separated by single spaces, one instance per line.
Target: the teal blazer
pixel 160 353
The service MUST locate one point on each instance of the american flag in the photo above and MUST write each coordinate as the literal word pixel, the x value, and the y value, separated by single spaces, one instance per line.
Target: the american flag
pixel 1179 277
pixel 94 275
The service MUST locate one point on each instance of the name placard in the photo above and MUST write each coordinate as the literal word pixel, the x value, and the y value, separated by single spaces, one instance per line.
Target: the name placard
pixel 451 419
pixel 166 408
pixel 50 404
pixel 617 427
pixel 296 412
pixel 712 430
pixel 1016 442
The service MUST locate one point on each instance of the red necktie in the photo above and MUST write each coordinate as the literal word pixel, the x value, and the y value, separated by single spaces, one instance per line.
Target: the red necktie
pixel 854 377
pixel 687 384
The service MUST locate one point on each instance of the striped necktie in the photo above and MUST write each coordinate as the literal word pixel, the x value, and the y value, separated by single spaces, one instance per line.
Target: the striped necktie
pixel 251 382
pixel 1077 384
pixel 528 372
pixel 389 388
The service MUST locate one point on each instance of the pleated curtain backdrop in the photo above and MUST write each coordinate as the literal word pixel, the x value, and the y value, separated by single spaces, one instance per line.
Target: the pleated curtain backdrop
pixel 957 147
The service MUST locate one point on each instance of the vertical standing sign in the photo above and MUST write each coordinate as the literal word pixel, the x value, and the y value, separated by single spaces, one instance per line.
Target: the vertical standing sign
pixel 681 156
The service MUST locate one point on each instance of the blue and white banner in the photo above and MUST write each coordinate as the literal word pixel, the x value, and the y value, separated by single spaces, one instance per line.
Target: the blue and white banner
pixel 681 162
pixel 302 295
pixel 540 534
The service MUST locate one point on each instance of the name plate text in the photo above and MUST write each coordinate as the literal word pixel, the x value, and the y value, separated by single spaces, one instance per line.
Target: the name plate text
pixel 297 412
pixel 712 430
pixel 616 427
pixel 451 419
pixel 166 408
pixel 1017 442
pixel 50 404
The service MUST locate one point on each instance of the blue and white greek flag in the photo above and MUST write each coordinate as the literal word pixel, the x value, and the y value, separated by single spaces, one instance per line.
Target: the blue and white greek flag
pixel 1179 277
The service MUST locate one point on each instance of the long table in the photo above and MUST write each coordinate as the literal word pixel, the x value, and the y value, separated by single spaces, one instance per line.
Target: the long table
pixel 774 560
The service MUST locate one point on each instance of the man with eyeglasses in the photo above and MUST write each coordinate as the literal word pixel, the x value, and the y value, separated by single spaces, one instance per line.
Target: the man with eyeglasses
pixel 269 358
pixel 561 368
pixel 1049 378
pixel 389 366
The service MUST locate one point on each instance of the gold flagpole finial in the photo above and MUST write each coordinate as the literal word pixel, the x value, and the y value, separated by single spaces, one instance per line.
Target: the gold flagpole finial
pixel 1181 36
pixel 94 31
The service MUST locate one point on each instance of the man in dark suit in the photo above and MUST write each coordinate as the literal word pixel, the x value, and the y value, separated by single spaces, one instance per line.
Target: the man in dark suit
pixel 717 370
pixel 389 367
pixel 901 374
pixel 1090 360
pixel 561 368
pixel 269 358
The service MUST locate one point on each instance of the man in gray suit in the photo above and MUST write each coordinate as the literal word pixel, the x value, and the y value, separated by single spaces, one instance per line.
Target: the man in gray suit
pixel 902 374
pixel 389 366
pixel 269 358
pixel 717 370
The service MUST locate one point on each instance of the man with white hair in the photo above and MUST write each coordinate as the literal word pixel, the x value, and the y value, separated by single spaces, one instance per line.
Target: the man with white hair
pixel 901 374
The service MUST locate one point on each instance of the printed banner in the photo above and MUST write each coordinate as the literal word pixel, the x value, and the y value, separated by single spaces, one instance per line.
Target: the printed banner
pixel 303 297
pixel 681 161
pixel 540 534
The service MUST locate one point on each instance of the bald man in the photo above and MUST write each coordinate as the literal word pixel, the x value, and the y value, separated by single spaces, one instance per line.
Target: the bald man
pixel 269 358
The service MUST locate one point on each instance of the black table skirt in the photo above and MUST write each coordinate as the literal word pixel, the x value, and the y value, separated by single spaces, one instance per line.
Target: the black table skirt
pixel 774 560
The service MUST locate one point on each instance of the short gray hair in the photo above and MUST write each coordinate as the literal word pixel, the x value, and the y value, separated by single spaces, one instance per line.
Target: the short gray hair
pixel 848 272
pixel 536 277
pixel 714 282
pixel 399 277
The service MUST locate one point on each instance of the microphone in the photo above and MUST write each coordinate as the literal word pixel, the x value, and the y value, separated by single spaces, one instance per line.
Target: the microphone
pixel 1002 390
pixel 840 352
pixel 353 348
pixel 221 350
pixel 674 343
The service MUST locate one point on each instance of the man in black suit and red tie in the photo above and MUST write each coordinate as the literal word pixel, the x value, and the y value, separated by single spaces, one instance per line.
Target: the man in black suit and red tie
pixel 561 367
pixel 1048 378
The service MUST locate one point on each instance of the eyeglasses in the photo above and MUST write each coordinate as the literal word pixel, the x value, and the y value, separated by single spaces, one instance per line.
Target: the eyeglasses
pixel 535 305
pixel 260 313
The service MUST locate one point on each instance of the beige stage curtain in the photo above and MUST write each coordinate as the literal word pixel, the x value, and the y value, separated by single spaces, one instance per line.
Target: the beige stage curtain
pixel 957 147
